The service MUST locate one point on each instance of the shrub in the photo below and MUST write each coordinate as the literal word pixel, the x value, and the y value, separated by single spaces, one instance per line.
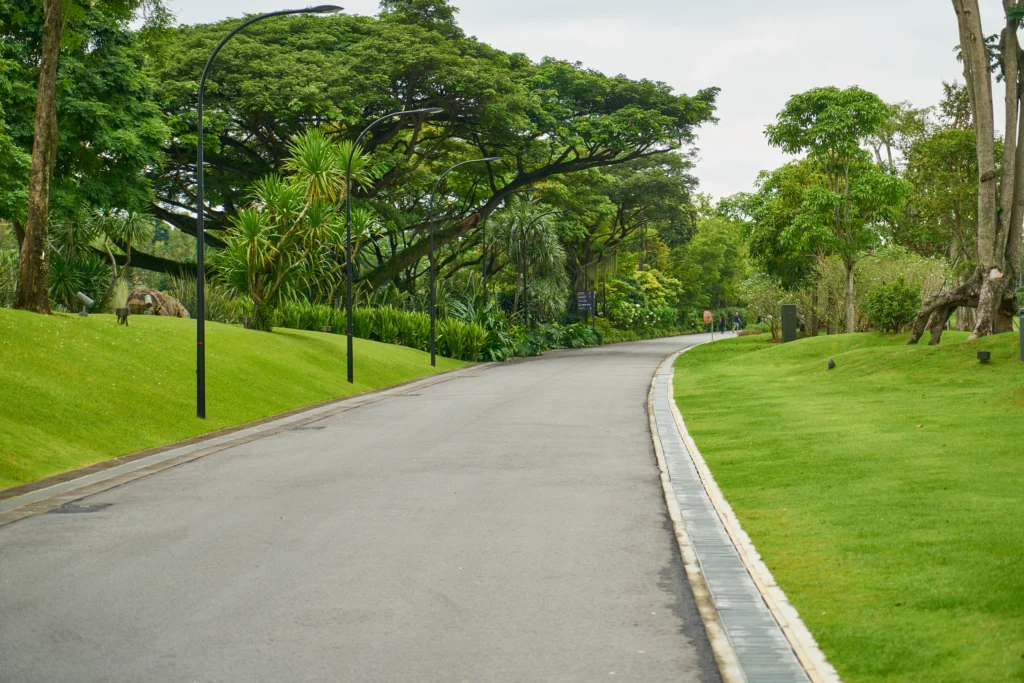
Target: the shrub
pixel 414 330
pixel 222 306
pixel 364 322
pixel 464 341
pixel 891 307
pixel 763 295
pixel 387 327
pixel 8 276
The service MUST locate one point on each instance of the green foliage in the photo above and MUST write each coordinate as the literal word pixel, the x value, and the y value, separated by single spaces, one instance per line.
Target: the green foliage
pixel 119 295
pixel 281 246
pixel 891 307
pixel 642 300
pixel 764 297
pixel 845 196
pixel 8 276
pixel 222 302
pixel 711 266
pixel 414 330
pixel 364 323
pixel 111 129
pixel 941 165
pixel 548 120
pixel 87 272
pixel 463 341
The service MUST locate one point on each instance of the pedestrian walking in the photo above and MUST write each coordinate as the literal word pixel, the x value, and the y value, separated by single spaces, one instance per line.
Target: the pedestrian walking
pixel 736 321
pixel 721 323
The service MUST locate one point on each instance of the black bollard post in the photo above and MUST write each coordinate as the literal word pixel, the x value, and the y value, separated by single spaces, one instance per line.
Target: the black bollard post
pixel 788 323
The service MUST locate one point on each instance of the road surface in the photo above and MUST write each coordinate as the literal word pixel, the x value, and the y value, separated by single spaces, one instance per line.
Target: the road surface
pixel 505 525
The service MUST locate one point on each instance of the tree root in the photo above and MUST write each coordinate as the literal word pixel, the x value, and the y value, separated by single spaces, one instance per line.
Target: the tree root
pixel 977 292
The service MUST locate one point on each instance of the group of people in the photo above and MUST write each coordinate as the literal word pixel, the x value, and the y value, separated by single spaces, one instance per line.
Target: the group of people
pixel 735 322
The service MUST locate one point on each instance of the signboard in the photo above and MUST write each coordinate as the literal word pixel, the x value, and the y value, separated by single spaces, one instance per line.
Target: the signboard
pixel 707 317
pixel 586 301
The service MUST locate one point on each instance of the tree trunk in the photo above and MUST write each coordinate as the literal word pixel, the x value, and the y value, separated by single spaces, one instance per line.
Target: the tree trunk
pixel 814 313
pixel 32 292
pixel 851 304
pixel 965 319
pixel 262 317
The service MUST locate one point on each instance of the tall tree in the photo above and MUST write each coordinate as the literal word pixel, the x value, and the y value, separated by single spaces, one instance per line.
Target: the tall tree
pixel 78 62
pixel 845 211
pixel 32 292
pixel 991 288
pixel 547 120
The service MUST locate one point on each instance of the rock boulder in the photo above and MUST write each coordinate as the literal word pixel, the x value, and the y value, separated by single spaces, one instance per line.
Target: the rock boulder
pixel 158 303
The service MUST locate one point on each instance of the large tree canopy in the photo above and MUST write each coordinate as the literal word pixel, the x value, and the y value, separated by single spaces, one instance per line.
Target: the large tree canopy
pixel 546 119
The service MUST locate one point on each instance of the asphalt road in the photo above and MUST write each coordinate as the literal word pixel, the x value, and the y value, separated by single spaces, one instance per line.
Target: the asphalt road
pixel 506 525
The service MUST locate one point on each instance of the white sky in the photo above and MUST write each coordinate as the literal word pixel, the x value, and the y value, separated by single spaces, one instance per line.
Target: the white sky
pixel 759 52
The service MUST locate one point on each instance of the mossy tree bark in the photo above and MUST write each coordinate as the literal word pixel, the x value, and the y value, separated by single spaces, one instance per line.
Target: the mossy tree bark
pixel 991 289
pixel 32 291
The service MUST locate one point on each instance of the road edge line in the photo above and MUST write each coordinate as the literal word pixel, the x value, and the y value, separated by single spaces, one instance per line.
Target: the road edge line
pixel 800 638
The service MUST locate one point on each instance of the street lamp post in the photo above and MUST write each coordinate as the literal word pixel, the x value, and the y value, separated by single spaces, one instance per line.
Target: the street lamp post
pixel 201 207
pixel 348 223
pixel 433 308
pixel 526 230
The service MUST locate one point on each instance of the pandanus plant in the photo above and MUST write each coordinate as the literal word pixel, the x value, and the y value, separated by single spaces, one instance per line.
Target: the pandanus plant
pixel 284 243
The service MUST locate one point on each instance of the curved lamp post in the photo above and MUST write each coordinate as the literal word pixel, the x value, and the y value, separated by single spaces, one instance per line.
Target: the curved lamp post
pixel 433 308
pixel 200 206
pixel 529 226
pixel 348 223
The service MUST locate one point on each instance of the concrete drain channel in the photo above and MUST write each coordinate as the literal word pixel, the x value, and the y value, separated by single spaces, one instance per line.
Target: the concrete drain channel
pixel 78 509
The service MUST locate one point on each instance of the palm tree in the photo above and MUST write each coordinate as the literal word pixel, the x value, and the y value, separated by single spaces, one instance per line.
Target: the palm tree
pixel 530 242
pixel 283 244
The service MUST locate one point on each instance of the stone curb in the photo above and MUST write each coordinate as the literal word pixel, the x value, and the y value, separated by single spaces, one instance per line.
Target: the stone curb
pixel 804 647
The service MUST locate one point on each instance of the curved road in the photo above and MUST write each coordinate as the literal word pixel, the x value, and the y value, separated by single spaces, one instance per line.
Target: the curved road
pixel 507 524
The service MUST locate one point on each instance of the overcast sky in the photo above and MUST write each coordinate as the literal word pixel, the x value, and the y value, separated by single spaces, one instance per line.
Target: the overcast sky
pixel 758 52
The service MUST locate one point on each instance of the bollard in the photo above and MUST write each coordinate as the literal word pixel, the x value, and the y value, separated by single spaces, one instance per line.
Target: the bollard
pixel 788 323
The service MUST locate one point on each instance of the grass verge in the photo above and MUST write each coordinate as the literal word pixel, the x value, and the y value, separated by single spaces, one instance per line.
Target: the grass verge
pixel 74 391
pixel 885 495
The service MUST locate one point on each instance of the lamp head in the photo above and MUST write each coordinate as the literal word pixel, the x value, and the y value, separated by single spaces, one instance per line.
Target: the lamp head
pixel 491 159
pixel 413 112
pixel 323 9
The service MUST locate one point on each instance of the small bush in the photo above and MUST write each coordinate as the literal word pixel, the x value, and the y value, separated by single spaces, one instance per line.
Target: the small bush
pixel 222 305
pixel 388 328
pixel 891 307
pixel 464 341
pixel 364 322
pixel 414 330
pixel 8 276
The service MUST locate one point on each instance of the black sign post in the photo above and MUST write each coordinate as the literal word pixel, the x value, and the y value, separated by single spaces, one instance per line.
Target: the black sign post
pixel 586 302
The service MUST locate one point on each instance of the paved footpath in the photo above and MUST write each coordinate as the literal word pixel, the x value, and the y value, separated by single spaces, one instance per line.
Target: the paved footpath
pixel 505 525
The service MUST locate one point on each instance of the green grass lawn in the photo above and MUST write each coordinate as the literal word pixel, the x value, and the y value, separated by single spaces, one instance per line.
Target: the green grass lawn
pixel 74 391
pixel 886 496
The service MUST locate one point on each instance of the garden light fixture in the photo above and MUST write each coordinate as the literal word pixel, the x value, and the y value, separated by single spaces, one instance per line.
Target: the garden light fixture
pixel 201 206
pixel 348 222
pixel 433 307
pixel 86 304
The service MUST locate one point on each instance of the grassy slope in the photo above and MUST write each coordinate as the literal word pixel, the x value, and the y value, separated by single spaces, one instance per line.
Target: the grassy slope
pixel 74 390
pixel 886 495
